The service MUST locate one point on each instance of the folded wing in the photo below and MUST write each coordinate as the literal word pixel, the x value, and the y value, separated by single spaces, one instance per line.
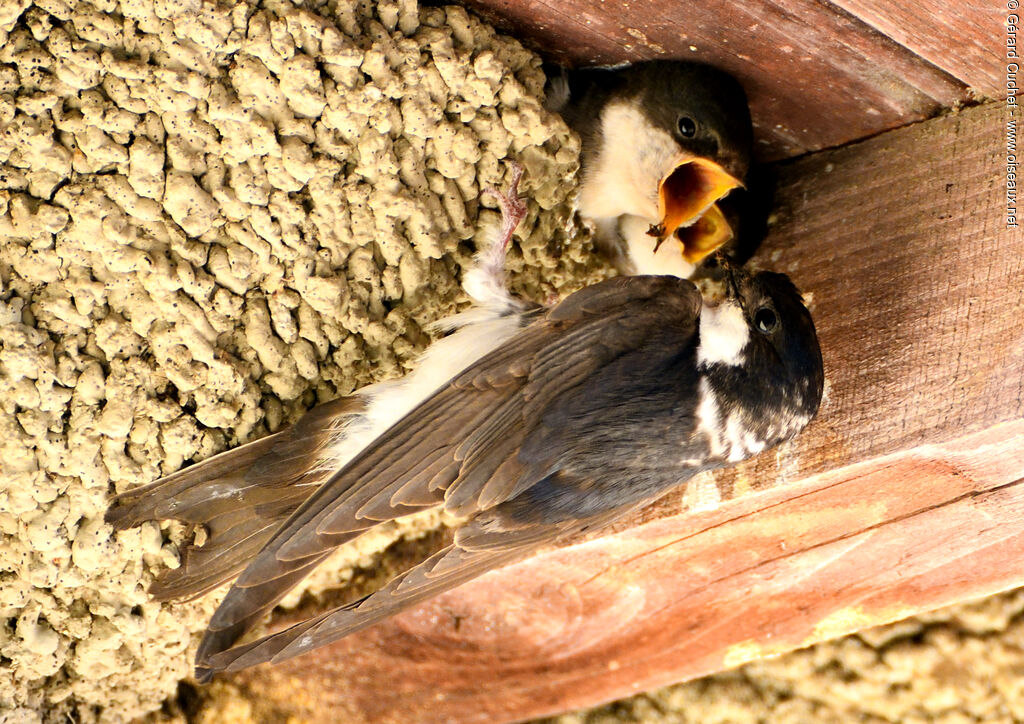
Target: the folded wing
pixel 240 497
pixel 461 448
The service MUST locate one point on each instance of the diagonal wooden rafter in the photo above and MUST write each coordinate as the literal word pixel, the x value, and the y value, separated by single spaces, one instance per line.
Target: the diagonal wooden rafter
pixel 818 74
pixel 906 494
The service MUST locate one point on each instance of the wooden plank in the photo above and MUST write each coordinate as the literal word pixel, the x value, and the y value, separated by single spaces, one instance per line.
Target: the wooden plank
pixel 917 289
pixel 963 38
pixel 906 493
pixel 684 596
pixel 816 76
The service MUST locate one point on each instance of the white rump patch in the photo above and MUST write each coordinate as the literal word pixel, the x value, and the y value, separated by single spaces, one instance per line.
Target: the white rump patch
pixel 723 335
pixel 478 331
pixel 390 401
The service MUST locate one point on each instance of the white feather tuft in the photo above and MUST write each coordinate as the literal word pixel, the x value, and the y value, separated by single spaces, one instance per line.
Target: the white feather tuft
pixel 723 334
pixel 494 318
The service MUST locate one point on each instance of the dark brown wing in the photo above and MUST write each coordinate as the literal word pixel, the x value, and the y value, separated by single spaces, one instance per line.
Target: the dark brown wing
pixel 445 570
pixel 240 497
pixel 460 447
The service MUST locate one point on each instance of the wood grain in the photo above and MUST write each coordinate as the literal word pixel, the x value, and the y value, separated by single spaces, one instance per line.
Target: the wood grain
pixel 916 285
pixel 906 494
pixel 816 76
pixel 684 596
pixel 963 38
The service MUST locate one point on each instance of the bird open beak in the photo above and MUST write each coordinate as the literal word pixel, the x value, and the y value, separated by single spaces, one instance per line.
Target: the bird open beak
pixel 687 196
pixel 705 235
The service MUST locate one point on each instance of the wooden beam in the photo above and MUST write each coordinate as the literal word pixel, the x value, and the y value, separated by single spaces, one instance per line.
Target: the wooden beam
pixel 683 596
pixel 963 38
pixel 816 76
pixel 907 493
pixel 917 288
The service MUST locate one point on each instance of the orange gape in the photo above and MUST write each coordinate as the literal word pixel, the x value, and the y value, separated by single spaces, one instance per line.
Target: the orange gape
pixel 686 197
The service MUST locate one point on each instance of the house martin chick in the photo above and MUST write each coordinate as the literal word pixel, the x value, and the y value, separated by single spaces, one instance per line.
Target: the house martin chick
pixel 664 144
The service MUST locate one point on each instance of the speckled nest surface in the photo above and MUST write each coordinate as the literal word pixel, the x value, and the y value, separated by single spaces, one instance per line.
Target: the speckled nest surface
pixel 212 216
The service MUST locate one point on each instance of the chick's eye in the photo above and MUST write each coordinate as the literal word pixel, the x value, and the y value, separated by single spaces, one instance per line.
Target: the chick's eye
pixel 687 127
pixel 766 320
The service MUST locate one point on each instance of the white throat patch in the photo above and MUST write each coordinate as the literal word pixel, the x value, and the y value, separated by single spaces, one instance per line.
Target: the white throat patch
pixel 723 335
pixel 633 158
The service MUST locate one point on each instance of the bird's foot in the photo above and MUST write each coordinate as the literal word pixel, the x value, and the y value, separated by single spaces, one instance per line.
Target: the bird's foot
pixel 484 282
pixel 513 211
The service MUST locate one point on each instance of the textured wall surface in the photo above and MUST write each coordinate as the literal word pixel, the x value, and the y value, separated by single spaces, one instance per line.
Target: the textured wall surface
pixel 212 216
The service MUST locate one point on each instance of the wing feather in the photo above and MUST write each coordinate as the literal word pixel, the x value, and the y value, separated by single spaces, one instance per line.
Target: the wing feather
pixel 239 497
pixel 481 546
pixel 340 622
pixel 461 441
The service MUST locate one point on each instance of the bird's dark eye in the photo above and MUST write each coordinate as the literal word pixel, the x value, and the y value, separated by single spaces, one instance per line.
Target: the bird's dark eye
pixel 687 127
pixel 766 320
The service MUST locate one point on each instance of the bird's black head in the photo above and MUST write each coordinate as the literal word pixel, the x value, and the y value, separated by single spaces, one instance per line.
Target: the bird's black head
pixel 663 141
pixel 784 334
pixel 759 353
pixel 703 108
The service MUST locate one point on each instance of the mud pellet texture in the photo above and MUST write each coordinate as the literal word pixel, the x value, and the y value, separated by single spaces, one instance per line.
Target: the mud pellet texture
pixel 214 215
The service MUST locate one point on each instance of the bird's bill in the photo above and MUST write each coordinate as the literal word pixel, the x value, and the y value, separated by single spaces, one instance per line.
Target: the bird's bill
pixel 707 234
pixel 685 196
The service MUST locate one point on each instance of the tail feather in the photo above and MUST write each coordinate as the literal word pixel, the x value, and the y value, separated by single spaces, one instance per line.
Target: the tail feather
pixel 180 495
pixel 239 497
pixel 221 634
pixel 402 592
pixel 219 560
pixel 488 542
